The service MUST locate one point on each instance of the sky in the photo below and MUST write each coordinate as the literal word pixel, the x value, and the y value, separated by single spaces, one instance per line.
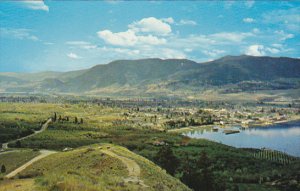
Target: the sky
pixel 71 35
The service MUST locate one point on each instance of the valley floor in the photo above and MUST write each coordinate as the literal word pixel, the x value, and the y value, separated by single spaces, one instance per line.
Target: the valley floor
pixel 80 134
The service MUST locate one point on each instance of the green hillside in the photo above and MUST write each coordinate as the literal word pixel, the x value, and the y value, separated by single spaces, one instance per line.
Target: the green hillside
pixel 97 167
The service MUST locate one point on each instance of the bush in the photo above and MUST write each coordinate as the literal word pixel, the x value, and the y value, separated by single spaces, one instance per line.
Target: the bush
pixel 3 169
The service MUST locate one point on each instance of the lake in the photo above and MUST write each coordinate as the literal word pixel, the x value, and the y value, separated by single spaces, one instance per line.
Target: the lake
pixel 283 137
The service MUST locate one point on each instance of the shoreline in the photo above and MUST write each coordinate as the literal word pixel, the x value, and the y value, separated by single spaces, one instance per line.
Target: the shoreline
pixel 191 128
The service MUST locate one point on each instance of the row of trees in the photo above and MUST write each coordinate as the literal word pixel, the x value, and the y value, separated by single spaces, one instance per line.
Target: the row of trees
pixel 274 156
pixel 66 118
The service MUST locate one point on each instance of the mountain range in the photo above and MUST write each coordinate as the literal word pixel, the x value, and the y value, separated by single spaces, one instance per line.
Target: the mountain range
pixel 229 74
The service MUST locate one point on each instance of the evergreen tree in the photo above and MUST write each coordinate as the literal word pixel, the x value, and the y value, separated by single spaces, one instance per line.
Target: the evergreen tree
pixel 197 174
pixel 75 120
pixel 55 117
pixel 189 176
pixel 3 169
pixel 167 160
pixel 18 144
pixel 206 176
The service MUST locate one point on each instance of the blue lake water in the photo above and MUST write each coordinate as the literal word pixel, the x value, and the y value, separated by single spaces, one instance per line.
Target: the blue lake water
pixel 283 137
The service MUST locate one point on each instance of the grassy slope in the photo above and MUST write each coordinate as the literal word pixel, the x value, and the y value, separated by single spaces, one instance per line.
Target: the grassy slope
pixel 17 185
pixel 88 168
pixel 16 158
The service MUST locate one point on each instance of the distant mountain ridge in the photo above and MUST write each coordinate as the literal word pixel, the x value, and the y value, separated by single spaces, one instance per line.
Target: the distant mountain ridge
pixel 162 75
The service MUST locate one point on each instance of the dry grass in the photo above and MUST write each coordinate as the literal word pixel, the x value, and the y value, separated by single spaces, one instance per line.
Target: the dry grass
pixel 17 185
pixel 14 159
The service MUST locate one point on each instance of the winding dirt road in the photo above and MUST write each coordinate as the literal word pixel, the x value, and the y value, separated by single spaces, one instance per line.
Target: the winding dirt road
pixel 43 128
pixel 44 153
pixel 133 168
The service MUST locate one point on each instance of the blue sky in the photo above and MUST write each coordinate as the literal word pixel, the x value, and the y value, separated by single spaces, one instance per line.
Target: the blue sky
pixel 65 35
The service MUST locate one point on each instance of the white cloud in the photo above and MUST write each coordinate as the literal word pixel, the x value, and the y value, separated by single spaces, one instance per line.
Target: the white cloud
pixel 142 52
pixel 82 44
pixel 273 50
pixel 256 30
pixel 151 25
pixel 277 45
pixel 230 36
pixel 150 39
pixel 213 53
pixel 261 50
pixel 73 56
pixel 169 20
pixel 191 42
pixel 113 2
pixel 207 43
pixel 290 18
pixel 124 51
pixel 228 4
pixel 143 32
pixel 141 40
pixel 278 48
pixel 282 36
pixel 171 53
pixel 248 20
pixel 255 50
pixel 188 50
pixel 163 52
pixel 187 22
pixel 129 38
pixel 249 3
pixel 36 5
pixel 48 43
pixel 141 36
pixel 21 34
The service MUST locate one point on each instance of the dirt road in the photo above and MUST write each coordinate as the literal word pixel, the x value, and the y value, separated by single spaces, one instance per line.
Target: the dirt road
pixel 44 153
pixel 43 128
pixel 133 168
